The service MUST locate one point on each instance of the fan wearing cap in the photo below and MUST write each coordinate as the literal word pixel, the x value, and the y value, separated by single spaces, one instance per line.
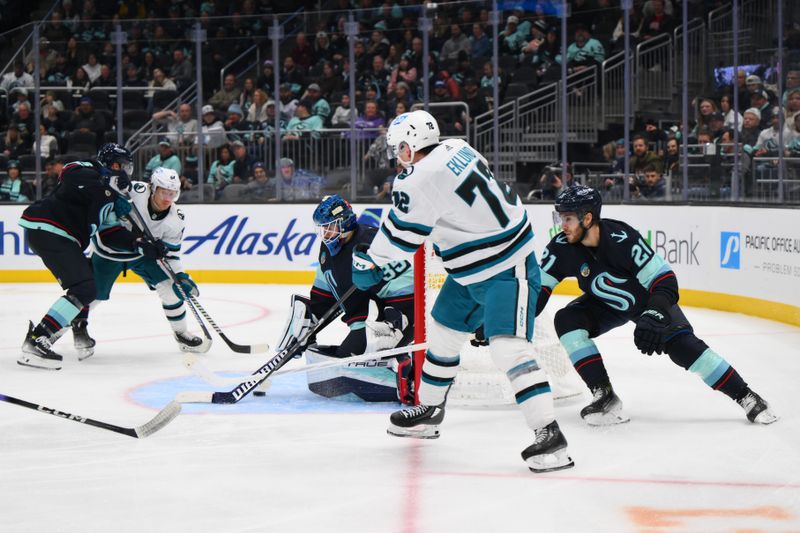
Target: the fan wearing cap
pixel 514 35
pixel 13 144
pixel 760 100
pixel 165 158
pixel 266 79
pixel 260 188
pixel 13 188
pixel 213 129
pixel 768 142
pixel 87 119
pixel 750 127
pixel 319 106
pixel 20 95
pixel 584 52
pixel 298 184
pixel 236 124
pixel 303 123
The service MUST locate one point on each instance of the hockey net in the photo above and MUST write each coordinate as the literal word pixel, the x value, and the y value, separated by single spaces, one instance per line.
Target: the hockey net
pixel 479 382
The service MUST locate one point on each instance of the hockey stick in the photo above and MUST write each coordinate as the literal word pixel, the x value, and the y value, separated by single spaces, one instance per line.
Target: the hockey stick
pixel 266 370
pixel 195 365
pixel 195 306
pixel 162 418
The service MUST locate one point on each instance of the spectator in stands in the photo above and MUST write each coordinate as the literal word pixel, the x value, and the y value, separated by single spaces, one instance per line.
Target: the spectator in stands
pixel 705 109
pixel 53 121
pixel 13 188
pixel 106 78
pixel 25 120
pixel 242 163
pixel 213 129
pixel 182 127
pixel 585 52
pixel 160 81
pixel 74 55
pixel 378 151
pixel 726 107
pixel 260 188
pixel 672 159
pixel 181 70
pixel 248 93
pixel 403 73
pixel 402 94
pixel 791 104
pixel 221 172
pixel 228 94
pixel 767 143
pixel 266 80
pixel 288 103
pixel 49 99
pixel 643 156
pixel 20 96
pixel 303 53
pixel 703 142
pixel 414 54
pixel 298 184
pixel 750 127
pixel 331 82
pixel 257 112
pixel 604 20
pixel 655 135
pixel 56 32
pixel 319 106
pixel 341 115
pixel 79 80
pixel 792 83
pixel 323 51
pixel 377 77
pixel 716 124
pixel 368 122
pixel 636 22
pixel 760 100
pixel 393 59
pixel 479 43
pixel 455 44
pixel 132 77
pixel 650 186
pixel 303 121
pixel 616 162
pixel 551 182
pixel 59 72
pixel 164 158
pixel 292 75
pixel 514 36
pixel 149 65
pixel 49 144
pixel 17 78
pixel 753 83
pixel 475 101
pixel 13 144
pixel 235 124
pixel 658 22
pixel 791 134
pixel 52 170
pixel 741 87
pixel 87 119
pixel 378 45
pixel 92 67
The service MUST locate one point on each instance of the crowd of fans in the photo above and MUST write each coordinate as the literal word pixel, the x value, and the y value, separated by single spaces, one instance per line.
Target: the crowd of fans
pixel 240 117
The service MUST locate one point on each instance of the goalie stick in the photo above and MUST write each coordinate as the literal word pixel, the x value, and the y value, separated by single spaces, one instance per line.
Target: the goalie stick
pixel 162 418
pixel 266 370
pixel 194 305
pixel 194 364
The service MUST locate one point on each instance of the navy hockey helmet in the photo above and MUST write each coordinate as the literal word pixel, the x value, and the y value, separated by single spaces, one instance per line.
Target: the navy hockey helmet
pixel 333 218
pixel 111 153
pixel 580 199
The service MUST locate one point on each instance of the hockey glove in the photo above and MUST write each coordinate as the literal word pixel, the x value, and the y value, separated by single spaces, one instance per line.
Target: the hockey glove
pixel 366 274
pixel 479 339
pixel 150 249
pixel 651 331
pixel 300 322
pixel 187 284
pixel 122 207
pixel 386 334
pixel 119 181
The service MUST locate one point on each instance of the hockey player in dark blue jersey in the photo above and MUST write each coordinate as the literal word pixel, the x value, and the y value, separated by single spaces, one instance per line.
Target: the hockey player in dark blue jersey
pixel 59 228
pixel 623 280
pixel 340 233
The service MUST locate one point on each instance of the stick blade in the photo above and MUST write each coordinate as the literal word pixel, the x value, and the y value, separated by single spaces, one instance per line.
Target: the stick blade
pixel 194 397
pixel 164 417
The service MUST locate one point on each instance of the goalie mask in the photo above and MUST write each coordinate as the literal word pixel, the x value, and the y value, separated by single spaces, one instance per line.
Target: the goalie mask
pixel 334 220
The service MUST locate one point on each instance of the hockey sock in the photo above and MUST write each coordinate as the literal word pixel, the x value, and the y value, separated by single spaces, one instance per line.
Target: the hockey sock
pixel 528 381
pixel 58 317
pixel 174 308
pixel 437 375
pixel 585 357
pixel 83 314
pixel 718 374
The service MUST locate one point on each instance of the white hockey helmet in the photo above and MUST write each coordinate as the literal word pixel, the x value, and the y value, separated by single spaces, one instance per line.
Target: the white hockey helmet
pixel 417 129
pixel 166 178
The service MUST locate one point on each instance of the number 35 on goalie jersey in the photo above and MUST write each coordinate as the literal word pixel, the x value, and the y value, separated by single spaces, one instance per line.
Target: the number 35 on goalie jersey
pixel 478 225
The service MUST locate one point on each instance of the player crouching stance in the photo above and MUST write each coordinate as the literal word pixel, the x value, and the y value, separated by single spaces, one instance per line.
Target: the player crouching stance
pixel 156 203
pixel 482 232
pixel 623 279
pixel 340 234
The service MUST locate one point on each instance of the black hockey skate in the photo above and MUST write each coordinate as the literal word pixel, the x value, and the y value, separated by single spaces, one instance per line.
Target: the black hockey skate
pixel 84 344
pixel 37 352
pixel 756 408
pixel 419 422
pixel 548 451
pixel 605 409
pixel 192 343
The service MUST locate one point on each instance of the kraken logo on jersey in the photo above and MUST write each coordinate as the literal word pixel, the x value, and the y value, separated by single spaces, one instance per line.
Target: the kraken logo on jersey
pixel 603 287
pixel 585 271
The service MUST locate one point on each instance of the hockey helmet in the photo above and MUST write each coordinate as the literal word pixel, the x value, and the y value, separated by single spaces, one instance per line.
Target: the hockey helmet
pixel 111 153
pixel 580 199
pixel 333 218
pixel 418 129
pixel 165 178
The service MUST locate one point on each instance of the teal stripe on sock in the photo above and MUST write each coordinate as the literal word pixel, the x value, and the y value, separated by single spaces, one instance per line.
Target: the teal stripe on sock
pixel 63 311
pixel 710 366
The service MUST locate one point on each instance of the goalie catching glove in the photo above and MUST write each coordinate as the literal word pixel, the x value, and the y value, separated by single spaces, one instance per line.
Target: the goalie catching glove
pixel 300 322
pixel 386 334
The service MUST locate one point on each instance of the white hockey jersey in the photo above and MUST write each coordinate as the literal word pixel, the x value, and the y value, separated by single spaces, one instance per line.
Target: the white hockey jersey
pixel 167 227
pixel 479 226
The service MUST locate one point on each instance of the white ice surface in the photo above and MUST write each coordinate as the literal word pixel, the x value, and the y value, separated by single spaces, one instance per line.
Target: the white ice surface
pixel 688 461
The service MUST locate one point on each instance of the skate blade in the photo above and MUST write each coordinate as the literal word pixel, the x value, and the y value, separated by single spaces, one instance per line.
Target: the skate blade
pixel 424 432
pixel 611 418
pixel 550 462
pixel 765 418
pixel 84 353
pixel 203 347
pixel 36 362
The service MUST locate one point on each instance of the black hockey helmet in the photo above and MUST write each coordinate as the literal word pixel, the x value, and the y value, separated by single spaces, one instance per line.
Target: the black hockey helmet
pixel 111 153
pixel 580 199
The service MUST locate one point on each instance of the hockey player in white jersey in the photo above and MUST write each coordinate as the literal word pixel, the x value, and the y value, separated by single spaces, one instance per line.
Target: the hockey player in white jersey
pixel 481 230
pixel 155 201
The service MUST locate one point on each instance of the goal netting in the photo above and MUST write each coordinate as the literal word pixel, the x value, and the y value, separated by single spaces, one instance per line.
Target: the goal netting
pixel 479 382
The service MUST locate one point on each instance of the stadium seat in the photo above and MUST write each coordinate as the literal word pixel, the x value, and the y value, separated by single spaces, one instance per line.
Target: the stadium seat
pixel 79 141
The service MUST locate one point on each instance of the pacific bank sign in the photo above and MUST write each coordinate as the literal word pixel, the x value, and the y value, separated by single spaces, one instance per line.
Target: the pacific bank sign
pixel 730 245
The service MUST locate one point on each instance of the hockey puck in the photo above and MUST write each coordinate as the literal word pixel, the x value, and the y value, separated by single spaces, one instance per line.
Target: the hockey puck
pixel 259 393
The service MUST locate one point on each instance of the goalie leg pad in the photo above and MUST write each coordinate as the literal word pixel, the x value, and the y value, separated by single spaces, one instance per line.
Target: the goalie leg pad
pixel 369 381
pixel 300 321
pixel 441 363
pixel 514 356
